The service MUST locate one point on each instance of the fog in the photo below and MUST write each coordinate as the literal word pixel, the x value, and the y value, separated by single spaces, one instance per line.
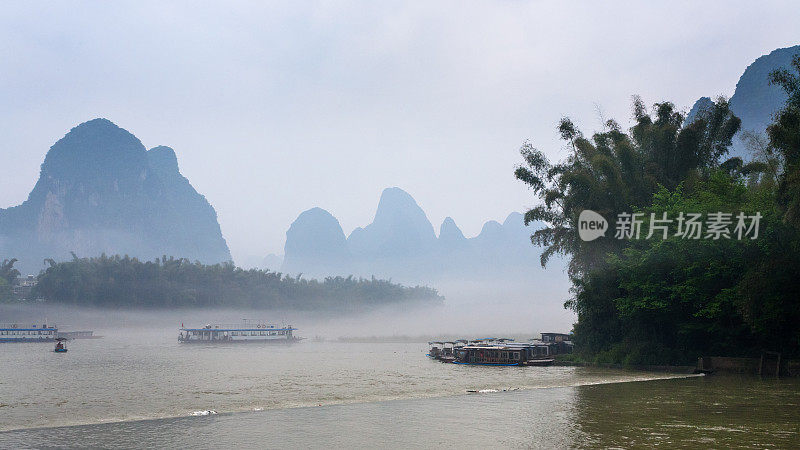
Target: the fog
pixel 276 107
pixel 469 310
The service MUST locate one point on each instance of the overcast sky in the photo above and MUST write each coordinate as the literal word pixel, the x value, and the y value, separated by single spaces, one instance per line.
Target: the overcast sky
pixel 273 108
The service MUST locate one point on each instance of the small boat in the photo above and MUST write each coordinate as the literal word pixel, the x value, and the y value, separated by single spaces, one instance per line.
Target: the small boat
pixel 444 351
pixel 540 362
pixel 61 345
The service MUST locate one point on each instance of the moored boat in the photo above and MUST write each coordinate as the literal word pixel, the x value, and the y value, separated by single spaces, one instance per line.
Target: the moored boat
pixel 445 351
pixel 500 351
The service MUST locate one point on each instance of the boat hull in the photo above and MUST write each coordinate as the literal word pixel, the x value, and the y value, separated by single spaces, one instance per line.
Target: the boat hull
pixel 540 362
pixel 486 364
pixel 2 340
pixel 240 341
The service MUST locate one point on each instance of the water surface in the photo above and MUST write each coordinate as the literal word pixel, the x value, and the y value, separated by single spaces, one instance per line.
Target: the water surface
pixel 675 413
pixel 148 374
pixel 141 389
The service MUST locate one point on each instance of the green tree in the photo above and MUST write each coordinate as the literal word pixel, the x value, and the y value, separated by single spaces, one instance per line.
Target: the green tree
pixel 177 282
pixel 615 171
pixel 8 276
pixel 670 300
pixel 784 136
pixel 7 270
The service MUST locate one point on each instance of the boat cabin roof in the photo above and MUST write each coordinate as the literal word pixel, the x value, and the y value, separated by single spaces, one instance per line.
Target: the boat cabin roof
pixel 238 329
pixel 16 326
pixel 509 346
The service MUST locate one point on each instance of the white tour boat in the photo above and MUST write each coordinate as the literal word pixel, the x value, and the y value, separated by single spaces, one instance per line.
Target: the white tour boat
pixel 247 331
pixel 27 332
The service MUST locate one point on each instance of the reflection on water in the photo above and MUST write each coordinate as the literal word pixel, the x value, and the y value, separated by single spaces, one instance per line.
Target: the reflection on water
pixel 718 411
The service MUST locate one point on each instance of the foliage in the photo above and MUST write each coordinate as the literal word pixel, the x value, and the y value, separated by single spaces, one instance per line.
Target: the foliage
pixel 676 299
pixel 668 301
pixel 7 270
pixel 784 135
pixel 173 282
pixel 8 275
pixel 614 171
pixel 5 290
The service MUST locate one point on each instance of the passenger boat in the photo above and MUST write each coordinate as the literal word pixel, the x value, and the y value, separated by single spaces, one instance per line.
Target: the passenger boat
pixel 248 331
pixel 25 332
pixel 499 353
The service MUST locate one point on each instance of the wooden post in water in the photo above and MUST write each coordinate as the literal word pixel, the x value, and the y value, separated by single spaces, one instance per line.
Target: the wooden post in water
pixel 764 363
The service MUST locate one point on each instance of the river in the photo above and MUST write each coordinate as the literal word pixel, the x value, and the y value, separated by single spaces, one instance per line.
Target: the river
pixel 144 389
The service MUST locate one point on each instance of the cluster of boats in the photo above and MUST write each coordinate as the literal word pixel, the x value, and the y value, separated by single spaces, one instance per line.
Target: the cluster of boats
pixel 501 351
pixel 485 351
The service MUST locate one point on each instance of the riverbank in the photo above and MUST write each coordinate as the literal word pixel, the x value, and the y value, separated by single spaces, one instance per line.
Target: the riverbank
pixel 769 364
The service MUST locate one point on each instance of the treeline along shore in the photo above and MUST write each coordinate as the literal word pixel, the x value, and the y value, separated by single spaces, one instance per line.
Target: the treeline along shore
pixel 651 291
pixel 122 281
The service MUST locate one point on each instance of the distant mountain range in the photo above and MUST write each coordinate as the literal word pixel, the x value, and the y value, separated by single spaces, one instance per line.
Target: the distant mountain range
pixel 100 191
pixel 401 244
pixel 754 101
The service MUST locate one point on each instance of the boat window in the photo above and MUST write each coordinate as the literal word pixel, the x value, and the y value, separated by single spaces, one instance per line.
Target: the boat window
pixel 516 355
pixel 263 333
pixel 234 333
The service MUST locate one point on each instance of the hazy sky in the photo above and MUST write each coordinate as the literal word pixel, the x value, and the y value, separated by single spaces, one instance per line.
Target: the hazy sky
pixel 274 108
